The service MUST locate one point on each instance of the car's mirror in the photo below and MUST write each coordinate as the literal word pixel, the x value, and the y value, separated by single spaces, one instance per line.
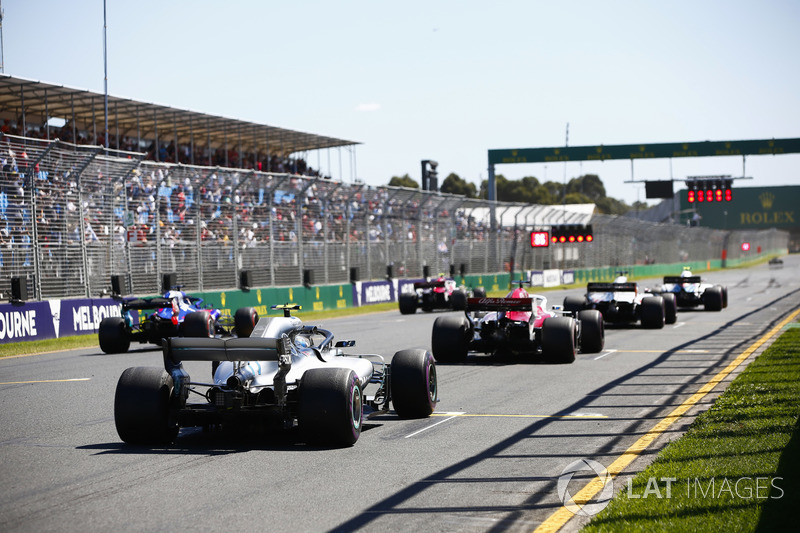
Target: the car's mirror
pixel 344 344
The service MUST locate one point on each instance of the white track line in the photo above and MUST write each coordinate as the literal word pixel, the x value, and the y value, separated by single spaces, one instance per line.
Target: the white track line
pixel 455 415
pixel 608 352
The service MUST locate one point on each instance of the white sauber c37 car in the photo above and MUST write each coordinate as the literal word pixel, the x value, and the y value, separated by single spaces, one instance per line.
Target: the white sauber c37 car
pixel 285 375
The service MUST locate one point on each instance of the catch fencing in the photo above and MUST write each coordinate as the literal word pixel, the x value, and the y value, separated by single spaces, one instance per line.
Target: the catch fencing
pixel 73 215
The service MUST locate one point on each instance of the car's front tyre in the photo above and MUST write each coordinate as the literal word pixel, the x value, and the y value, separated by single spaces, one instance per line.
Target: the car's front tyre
pixel 414 384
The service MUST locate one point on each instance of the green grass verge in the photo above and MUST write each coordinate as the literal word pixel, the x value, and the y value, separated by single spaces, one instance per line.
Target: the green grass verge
pixel 738 466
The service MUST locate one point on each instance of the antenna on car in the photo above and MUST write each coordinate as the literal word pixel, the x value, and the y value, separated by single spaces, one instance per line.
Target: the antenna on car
pixel 287 308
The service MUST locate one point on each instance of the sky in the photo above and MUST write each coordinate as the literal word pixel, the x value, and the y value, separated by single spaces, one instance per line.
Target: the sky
pixel 447 80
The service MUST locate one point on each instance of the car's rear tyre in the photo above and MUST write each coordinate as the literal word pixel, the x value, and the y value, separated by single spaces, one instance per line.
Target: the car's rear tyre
pixel 450 339
pixel 652 312
pixel 244 321
pixel 712 298
pixel 724 296
pixel 113 335
pixel 593 335
pixel 414 386
pixel 142 406
pixel 408 304
pixel 574 304
pixel 670 308
pixel 330 409
pixel 558 339
pixel 459 300
pixel 479 292
pixel 197 324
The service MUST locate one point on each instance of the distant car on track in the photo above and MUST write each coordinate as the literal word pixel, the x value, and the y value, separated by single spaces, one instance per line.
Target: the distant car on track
pixel 441 293
pixel 285 375
pixel 690 291
pixel 623 302
pixel 519 323
pixel 173 314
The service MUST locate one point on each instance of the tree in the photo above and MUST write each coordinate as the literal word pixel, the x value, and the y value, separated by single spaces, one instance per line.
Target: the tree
pixel 403 181
pixel 589 185
pixel 453 184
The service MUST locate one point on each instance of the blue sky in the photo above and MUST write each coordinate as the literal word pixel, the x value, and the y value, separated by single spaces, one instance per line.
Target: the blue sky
pixel 447 80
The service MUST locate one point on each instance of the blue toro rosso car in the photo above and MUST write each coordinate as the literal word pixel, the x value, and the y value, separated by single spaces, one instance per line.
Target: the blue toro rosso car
pixel 175 314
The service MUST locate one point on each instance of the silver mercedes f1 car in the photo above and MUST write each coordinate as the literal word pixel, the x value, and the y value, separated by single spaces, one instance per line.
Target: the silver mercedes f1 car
pixel 285 375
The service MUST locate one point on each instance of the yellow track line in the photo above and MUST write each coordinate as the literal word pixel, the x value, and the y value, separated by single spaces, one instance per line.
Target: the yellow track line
pixel 466 415
pixel 559 518
pixel 44 381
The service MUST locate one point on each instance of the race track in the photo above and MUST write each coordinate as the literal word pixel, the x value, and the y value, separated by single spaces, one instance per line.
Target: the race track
pixel 488 460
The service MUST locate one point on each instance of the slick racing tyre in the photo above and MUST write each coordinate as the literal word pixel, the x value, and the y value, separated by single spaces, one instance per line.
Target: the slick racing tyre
pixel 413 382
pixel 330 409
pixel 459 300
pixel 197 324
pixel 593 334
pixel 142 406
pixel 408 304
pixel 670 308
pixel 113 335
pixel 574 304
pixel 712 298
pixel 652 309
pixel 558 339
pixel 479 292
pixel 244 321
pixel 450 339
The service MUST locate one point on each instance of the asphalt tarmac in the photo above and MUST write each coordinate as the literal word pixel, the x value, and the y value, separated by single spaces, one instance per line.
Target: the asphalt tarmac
pixel 488 460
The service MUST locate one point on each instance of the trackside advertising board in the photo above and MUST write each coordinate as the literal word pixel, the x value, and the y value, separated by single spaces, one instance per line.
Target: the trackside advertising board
pixel 53 319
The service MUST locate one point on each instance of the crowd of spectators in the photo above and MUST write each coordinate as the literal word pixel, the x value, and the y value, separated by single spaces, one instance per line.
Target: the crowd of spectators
pixel 179 206
pixel 167 152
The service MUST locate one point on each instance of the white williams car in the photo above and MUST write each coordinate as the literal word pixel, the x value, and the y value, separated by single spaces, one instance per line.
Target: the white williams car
pixel 285 375
pixel 690 291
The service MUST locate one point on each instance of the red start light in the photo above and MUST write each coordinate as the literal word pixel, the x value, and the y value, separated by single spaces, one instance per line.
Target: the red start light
pixel 572 238
pixel 562 239
pixel 709 196
pixel 580 238
pixel 691 197
pixel 589 238
pixel 718 194
pixel 728 195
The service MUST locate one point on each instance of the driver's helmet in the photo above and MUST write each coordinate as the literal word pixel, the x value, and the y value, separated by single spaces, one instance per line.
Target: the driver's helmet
pixel 686 274
pixel 302 342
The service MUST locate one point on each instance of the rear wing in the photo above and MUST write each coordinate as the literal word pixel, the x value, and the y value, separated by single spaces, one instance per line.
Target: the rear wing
pixel 178 349
pixel 428 284
pixel 147 303
pixel 611 287
pixel 499 304
pixel 677 280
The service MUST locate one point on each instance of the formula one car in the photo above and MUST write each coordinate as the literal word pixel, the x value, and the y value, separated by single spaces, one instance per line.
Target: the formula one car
pixel 690 291
pixel 622 302
pixel 517 324
pixel 174 314
pixel 285 375
pixel 441 293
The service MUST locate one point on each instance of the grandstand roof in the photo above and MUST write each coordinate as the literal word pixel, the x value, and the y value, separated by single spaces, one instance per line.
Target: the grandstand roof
pixel 136 119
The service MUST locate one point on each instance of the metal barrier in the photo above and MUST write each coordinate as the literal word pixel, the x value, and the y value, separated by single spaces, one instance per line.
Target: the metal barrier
pixel 73 215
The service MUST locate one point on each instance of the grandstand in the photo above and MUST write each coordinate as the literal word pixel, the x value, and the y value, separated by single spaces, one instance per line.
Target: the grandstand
pixel 166 134
pixel 73 213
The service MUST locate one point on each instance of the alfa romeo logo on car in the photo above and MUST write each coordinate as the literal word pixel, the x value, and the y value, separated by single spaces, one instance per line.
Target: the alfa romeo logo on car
pixel 600 499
